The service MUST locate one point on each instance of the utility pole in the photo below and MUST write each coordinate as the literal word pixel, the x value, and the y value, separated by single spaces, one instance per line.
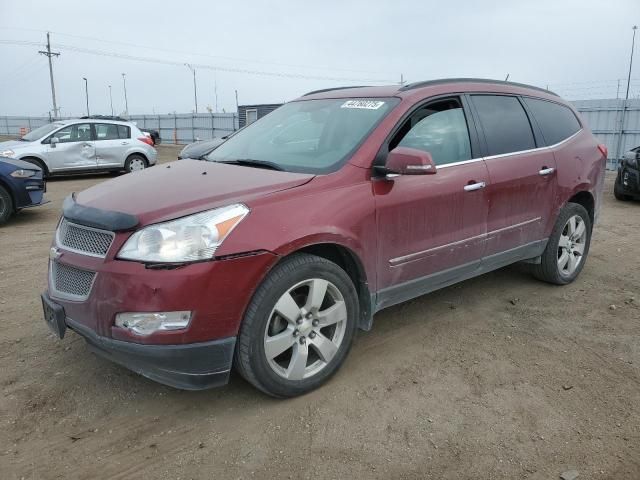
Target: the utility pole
pixel 195 89
pixel 215 89
pixel 618 90
pixel 626 98
pixel 86 92
pixel 48 53
pixel 126 102
pixel 111 100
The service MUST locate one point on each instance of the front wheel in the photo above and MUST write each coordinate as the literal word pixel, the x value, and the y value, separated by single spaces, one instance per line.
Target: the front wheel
pixel 568 246
pixel 298 327
pixel 6 205
pixel 135 163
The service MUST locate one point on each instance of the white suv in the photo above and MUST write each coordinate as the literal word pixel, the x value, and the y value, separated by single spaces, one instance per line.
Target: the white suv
pixel 83 145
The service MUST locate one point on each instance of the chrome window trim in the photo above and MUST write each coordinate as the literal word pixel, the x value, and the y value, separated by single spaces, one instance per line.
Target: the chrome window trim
pixel 502 155
pixel 69 296
pixel 82 227
pixel 394 262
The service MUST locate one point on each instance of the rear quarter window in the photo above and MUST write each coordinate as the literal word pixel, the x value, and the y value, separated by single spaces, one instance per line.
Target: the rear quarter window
pixel 124 132
pixel 505 124
pixel 556 121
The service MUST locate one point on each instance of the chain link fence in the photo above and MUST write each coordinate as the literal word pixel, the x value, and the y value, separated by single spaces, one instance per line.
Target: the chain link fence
pixel 179 128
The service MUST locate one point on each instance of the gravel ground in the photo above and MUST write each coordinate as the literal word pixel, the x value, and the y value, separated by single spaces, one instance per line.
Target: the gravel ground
pixel 499 377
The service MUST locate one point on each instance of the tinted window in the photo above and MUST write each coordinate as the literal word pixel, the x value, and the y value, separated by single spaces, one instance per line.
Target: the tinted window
pixel 505 124
pixel 124 131
pixel 442 133
pixel 74 133
pixel 556 121
pixel 106 131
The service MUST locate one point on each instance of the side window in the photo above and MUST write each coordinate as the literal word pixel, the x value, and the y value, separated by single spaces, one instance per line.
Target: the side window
pixel 438 128
pixel 106 131
pixel 74 133
pixel 505 124
pixel 124 132
pixel 556 121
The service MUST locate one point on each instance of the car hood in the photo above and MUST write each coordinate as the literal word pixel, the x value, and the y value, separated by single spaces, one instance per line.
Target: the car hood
pixel 13 144
pixel 183 187
pixel 20 163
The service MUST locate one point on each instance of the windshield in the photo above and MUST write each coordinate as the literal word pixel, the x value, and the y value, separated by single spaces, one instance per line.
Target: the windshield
pixel 312 136
pixel 40 132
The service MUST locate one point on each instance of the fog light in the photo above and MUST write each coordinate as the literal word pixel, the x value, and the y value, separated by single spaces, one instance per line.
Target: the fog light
pixel 144 323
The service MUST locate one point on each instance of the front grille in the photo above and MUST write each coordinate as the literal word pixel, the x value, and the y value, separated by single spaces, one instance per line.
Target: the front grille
pixel 70 281
pixel 82 239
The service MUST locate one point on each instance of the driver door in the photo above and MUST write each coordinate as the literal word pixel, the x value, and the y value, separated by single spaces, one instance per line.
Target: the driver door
pixel 432 228
pixel 75 149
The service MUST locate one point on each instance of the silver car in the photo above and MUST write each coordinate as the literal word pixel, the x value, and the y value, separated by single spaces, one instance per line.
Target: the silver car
pixel 67 146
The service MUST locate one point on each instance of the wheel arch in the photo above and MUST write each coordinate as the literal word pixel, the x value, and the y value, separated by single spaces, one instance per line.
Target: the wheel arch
pixel 11 192
pixel 586 199
pixel 41 163
pixel 347 259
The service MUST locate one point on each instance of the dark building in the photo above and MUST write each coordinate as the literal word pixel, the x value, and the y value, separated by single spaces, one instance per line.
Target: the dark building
pixel 250 113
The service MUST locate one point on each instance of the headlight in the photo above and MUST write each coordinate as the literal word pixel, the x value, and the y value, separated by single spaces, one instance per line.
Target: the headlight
pixel 7 153
pixel 23 173
pixel 186 239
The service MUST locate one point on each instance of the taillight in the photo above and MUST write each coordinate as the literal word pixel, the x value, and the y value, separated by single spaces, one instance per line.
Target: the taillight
pixel 603 150
pixel 147 140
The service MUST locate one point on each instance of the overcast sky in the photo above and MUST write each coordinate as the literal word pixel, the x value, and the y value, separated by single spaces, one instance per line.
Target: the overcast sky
pixel 577 47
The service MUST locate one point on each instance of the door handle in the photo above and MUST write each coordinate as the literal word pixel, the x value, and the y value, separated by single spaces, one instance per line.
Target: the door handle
pixel 124 143
pixel 474 186
pixel 546 171
pixel 86 145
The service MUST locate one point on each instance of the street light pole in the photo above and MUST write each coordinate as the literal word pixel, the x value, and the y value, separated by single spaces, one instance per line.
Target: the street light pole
pixel 86 93
pixel 633 43
pixel 195 88
pixel 626 98
pixel 111 100
pixel 126 102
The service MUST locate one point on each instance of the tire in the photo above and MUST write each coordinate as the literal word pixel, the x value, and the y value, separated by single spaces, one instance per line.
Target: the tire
pixel 289 285
pixel 135 163
pixel 38 163
pixel 617 190
pixel 6 205
pixel 552 267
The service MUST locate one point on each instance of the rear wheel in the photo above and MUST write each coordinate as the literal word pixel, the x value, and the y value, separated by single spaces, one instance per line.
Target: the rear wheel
pixel 135 163
pixel 617 190
pixel 6 205
pixel 568 246
pixel 298 328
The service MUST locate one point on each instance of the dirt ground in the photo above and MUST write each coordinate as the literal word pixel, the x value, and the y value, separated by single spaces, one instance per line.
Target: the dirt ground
pixel 500 377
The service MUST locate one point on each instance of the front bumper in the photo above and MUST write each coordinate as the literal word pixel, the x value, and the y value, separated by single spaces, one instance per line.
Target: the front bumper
pixel 194 366
pixel 629 180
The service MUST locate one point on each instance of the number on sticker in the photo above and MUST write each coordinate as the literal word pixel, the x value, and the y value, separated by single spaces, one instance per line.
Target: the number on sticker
pixel 366 104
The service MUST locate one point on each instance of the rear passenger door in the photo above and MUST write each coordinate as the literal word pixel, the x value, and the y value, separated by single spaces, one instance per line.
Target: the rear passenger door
pixel 523 175
pixel 112 144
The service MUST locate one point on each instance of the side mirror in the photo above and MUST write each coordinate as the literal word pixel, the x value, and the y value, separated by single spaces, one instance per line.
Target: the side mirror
pixel 54 141
pixel 409 161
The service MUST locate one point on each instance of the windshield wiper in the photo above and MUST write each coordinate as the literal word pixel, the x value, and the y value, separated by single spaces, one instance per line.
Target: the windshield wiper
pixel 254 163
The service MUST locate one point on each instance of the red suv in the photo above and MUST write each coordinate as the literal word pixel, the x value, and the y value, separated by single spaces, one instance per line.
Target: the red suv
pixel 270 253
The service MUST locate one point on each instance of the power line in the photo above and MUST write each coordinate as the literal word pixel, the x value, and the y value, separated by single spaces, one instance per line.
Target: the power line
pixel 182 52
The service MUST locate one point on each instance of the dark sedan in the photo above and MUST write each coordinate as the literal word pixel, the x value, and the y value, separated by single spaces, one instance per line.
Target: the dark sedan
pixel 199 149
pixel 21 186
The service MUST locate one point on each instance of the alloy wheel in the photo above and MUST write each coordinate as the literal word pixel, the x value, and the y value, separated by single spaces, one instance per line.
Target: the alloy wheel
pixel 305 329
pixel 571 245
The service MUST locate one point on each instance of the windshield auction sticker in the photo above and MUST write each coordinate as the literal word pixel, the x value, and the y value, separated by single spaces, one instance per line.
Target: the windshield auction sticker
pixel 366 104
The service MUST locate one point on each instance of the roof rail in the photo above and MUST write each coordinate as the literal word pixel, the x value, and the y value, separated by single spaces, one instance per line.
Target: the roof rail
pixel 429 83
pixel 334 88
